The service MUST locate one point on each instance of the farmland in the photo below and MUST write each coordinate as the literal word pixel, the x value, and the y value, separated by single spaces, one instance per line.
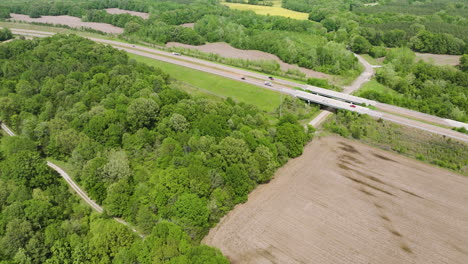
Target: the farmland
pixel 345 202
pixel 275 10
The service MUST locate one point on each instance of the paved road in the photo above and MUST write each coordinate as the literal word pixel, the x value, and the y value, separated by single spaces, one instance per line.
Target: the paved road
pixel 73 185
pixel 7 130
pixel 418 115
pixel 279 85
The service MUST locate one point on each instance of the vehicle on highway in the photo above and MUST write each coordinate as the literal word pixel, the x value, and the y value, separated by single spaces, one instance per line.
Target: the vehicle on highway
pixel 267 83
pixel 176 53
pixel 353 106
pixel 243 78
pixel 271 78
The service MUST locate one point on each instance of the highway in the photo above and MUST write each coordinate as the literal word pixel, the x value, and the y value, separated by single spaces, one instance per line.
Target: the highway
pixel 390 113
pixel 73 185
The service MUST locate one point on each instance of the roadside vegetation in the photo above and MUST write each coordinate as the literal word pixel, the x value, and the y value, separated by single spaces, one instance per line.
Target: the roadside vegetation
pixel 5 34
pixel 432 89
pixel 271 67
pixel 169 163
pixel 263 98
pixel 414 143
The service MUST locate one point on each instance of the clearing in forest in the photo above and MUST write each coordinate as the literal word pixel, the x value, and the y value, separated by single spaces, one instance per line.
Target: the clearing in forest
pixel 269 10
pixel 70 21
pixel 117 11
pixel 439 59
pixel 345 202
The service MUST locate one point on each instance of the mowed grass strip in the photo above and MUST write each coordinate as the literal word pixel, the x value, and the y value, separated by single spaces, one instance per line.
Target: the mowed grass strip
pixel 269 10
pixel 223 87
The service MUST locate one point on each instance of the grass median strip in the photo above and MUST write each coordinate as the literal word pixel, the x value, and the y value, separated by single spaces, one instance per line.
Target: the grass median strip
pixel 242 92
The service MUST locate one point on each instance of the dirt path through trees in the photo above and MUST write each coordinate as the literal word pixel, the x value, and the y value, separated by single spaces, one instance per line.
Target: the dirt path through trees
pixel 74 186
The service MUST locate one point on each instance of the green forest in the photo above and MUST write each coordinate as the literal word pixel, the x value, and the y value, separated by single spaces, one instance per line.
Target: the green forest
pixel 169 163
pixel 438 26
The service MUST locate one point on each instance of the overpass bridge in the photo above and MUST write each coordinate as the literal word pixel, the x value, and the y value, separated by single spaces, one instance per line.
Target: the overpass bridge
pixel 337 104
pixel 339 96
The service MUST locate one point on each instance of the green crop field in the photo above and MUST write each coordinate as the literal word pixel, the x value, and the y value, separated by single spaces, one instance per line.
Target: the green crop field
pixel 242 92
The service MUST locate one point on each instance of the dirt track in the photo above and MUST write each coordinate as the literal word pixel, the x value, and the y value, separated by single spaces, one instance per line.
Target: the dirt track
pixel 345 202
pixel 227 51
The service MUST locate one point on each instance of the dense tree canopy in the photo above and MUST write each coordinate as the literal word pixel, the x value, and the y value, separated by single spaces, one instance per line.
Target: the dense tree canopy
pixel 148 152
pixel 438 26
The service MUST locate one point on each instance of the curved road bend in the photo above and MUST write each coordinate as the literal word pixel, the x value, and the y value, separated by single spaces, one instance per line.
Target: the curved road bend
pixel 74 186
pixel 282 86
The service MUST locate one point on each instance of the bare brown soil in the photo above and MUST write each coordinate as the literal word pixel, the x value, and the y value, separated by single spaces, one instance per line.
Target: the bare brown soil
pixel 70 21
pixel 227 51
pixel 189 25
pixel 345 202
pixel 439 59
pixel 122 11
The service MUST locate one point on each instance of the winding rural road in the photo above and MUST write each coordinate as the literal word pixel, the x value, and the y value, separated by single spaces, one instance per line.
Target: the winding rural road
pixel 73 185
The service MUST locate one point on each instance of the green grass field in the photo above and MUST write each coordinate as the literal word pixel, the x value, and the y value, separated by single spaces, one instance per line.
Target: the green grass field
pixel 275 10
pixel 371 60
pixel 215 85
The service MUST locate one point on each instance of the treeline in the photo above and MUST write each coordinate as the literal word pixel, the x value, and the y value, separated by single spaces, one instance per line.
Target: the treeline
pixel 73 8
pixel 436 27
pixel 424 146
pixel 296 42
pixel 310 6
pixel 314 52
pixel 147 151
pixel 458 31
pixel 424 87
pixel 420 8
pixel 252 2
pixel 417 38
